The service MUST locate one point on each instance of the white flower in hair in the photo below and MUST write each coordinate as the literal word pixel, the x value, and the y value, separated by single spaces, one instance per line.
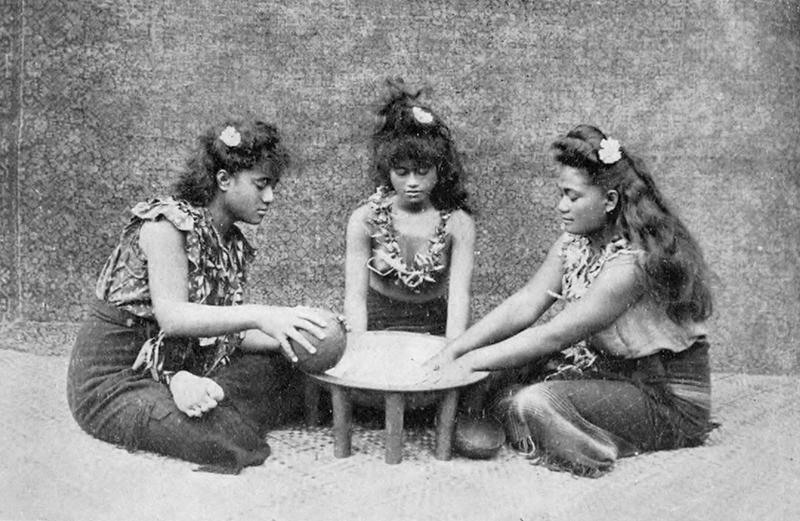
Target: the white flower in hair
pixel 609 152
pixel 231 137
pixel 422 115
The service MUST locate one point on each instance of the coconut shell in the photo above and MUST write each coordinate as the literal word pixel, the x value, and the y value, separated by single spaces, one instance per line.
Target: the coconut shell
pixel 478 438
pixel 329 349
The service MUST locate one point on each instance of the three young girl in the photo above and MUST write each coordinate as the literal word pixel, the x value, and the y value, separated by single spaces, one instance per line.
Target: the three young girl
pixel 171 361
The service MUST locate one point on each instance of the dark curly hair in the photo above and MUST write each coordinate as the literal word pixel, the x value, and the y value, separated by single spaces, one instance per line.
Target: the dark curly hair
pixel 675 270
pixel 259 147
pixel 405 133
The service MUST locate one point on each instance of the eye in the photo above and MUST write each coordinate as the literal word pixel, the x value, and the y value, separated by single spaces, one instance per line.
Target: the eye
pixel 399 171
pixel 569 194
pixel 262 183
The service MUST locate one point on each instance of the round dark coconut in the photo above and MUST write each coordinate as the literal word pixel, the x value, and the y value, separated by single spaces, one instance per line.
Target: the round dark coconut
pixel 329 349
pixel 478 438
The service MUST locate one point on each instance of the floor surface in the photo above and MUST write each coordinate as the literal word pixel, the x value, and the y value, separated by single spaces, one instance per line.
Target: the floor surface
pixel 51 470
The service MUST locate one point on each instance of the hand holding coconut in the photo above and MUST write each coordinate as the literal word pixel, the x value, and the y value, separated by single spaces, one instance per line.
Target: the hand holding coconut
pixel 320 352
pixel 286 324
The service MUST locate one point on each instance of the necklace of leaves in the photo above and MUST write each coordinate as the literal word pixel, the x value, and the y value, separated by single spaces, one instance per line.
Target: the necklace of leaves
pixel 582 266
pixel 426 265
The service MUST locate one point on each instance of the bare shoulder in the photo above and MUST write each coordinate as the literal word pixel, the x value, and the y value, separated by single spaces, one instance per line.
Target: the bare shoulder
pixel 558 245
pixel 361 213
pixel 461 224
pixel 160 234
pixel 359 220
pixel 622 271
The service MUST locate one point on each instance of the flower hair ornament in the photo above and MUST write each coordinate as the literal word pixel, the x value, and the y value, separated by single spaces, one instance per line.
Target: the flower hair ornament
pixel 610 151
pixel 231 137
pixel 421 115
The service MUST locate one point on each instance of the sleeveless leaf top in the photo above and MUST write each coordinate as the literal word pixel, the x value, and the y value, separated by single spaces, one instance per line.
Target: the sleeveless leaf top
pixel 216 277
pixel 642 330
pixel 580 266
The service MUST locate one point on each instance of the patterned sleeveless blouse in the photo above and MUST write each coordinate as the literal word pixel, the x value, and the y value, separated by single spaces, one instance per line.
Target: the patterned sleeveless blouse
pixel 580 267
pixel 217 274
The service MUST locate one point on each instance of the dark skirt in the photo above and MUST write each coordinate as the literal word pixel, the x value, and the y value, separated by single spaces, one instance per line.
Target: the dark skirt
pixel 384 313
pixel 584 422
pixel 114 403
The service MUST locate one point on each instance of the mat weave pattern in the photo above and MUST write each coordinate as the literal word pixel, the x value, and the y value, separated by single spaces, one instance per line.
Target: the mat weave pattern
pixel 750 469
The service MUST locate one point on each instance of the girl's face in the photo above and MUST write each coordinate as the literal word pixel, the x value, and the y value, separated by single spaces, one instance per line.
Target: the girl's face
pixel 249 194
pixel 583 206
pixel 413 182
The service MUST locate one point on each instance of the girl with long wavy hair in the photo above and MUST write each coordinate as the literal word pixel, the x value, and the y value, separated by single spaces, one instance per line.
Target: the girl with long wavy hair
pixel 623 368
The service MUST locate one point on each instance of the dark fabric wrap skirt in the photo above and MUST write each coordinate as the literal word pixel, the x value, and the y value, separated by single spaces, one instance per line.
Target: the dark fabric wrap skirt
pixel 584 422
pixel 114 403
pixel 384 313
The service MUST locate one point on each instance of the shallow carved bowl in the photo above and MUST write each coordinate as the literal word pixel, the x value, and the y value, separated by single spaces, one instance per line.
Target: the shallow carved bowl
pixel 378 362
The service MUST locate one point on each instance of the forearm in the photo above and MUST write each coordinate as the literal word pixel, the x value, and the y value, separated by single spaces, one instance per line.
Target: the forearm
pixel 505 320
pixel 355 310
pixel 177 318
pixel 356 281
pixel 460 277
pixel 256 341
pixel 515 351
pixel 457 315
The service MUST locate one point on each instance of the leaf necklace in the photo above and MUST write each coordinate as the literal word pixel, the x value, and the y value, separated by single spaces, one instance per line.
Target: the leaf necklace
pixel 425 267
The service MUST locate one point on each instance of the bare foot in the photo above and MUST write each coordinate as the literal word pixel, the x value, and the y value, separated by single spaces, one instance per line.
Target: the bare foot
pixel 195 395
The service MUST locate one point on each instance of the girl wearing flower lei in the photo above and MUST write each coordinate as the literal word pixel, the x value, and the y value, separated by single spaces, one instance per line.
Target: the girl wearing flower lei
pixel 631 371
pixel 410 246
pixel 171 360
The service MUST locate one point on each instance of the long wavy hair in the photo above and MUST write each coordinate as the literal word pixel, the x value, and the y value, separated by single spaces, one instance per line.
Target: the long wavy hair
pixel 675 271
pixel 409 130
pixel 259 147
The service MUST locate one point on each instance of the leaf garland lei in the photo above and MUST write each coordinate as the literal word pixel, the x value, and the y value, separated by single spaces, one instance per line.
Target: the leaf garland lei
pixel 581 267
pixel 426 265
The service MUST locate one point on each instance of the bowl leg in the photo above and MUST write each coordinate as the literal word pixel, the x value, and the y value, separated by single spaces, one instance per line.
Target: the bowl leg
pixel 312 391
pixel 395 408
pixel 342 421
pixel 445 424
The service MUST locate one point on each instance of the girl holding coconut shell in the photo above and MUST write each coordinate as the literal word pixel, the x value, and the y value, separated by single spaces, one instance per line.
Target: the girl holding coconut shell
pixel 170 360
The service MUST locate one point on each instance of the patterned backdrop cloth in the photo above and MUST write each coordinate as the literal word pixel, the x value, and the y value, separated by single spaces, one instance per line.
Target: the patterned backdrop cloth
pixel 101 100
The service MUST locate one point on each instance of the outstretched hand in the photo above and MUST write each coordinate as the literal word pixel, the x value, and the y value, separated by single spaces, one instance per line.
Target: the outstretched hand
pixel 444 367
pixel 195 395
pixel 284 324
pixel 438 360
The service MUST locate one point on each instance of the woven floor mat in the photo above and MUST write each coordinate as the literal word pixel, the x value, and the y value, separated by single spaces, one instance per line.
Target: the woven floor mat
pixel 749 469
pixel 419 443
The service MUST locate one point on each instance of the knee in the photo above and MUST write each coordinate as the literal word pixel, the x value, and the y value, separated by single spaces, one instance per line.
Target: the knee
pixel 532 402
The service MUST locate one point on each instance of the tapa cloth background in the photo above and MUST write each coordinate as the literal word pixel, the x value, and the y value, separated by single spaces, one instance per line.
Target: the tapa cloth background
pixel 99 101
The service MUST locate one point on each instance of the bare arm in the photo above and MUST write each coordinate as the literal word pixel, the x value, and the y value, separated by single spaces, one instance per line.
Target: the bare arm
pixel 256 341
pixel 615 289
pixel 461 266
pixel 168 268
pixel 356 273
pixel 518 311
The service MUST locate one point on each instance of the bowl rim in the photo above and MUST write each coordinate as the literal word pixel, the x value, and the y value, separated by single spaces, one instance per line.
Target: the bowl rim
pixel 445 385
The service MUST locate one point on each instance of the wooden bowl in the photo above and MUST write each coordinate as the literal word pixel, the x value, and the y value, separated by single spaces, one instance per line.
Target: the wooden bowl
pixel 478 438
pixel 377 362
